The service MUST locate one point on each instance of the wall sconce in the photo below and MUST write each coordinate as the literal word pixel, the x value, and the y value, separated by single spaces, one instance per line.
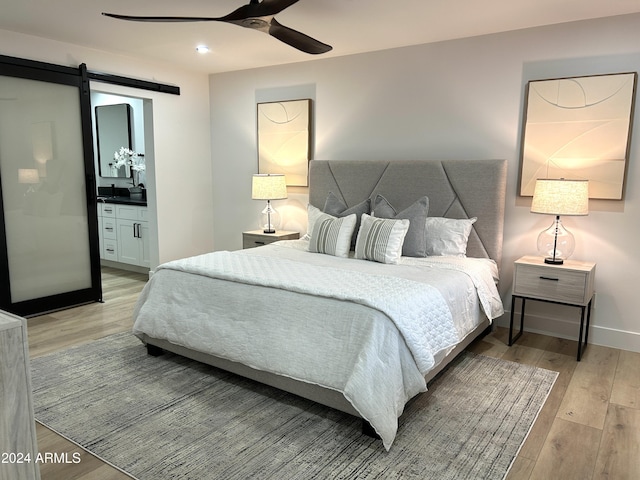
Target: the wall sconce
pixel 559 197
pixel 269 186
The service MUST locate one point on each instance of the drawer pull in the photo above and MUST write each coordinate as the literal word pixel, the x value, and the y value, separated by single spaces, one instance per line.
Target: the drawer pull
pixel 549 278
pixel 260 243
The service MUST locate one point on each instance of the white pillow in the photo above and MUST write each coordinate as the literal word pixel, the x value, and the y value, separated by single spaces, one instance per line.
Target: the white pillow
pixel 313 213
pixel 448 236
pixel 381 239
pixel 329 234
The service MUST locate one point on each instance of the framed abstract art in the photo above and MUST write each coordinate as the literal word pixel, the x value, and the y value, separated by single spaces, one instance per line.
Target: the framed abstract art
pixel 578 128
pixel 284 139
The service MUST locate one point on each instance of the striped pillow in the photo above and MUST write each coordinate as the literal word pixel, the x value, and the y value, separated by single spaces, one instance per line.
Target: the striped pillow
pixel 331 235
pixel 381 239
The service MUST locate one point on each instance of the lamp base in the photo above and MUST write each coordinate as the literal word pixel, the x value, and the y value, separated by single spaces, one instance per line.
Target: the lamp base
pixel 556 243
pixel 553 261
pixel 270 219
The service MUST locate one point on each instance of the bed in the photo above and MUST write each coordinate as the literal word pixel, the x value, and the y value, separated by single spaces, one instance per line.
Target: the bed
pixel 355 317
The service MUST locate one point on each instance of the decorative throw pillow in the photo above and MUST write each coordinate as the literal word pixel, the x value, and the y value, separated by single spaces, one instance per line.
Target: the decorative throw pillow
pixel 330 235
pixel 448 236
pixel 381 239
pixel 415 242
pixel 336 207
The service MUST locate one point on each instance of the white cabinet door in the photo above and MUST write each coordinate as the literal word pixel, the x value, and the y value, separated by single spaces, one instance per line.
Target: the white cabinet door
pixel 133 242
pixel 128 245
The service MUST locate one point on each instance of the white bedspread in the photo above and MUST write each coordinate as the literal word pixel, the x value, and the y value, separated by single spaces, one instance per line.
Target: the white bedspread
pixel 346 341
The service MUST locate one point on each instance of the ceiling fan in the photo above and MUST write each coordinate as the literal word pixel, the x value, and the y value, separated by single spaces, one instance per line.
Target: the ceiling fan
pixel 257 15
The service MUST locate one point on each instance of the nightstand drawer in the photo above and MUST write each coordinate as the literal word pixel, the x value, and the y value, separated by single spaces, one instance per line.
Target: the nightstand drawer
pixel 257 238
pixel 255 242
pixel 551 284
pixel 571 282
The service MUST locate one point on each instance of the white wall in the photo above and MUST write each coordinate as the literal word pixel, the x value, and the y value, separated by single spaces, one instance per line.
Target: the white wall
pixel 456 99
pixel 179 178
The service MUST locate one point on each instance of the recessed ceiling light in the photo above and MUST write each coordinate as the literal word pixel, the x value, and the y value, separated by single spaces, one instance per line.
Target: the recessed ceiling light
pixel 202 49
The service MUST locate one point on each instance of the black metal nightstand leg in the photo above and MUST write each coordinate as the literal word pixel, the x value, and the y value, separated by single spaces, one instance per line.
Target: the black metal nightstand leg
pixel 584 329
pixel 512 339
pixel 586 332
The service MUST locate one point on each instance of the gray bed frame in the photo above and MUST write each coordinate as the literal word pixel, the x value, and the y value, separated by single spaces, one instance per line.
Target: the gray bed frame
pixel 456 189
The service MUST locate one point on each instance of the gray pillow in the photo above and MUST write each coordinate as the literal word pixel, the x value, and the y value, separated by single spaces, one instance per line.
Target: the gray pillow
pixel 336 207
pixel 415 242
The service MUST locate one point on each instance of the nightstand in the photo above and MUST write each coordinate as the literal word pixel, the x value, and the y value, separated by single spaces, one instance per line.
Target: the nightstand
pixel 568 284
pixel 257 238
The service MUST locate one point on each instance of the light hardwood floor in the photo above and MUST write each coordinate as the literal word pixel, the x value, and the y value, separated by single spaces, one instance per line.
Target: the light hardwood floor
pixel 588 429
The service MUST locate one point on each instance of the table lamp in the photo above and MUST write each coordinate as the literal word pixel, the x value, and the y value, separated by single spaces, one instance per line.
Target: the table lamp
pixel 28 176
pixel 269 186
pixel 559 197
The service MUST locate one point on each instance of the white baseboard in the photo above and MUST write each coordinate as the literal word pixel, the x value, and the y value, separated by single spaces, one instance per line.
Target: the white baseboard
pixel 598 335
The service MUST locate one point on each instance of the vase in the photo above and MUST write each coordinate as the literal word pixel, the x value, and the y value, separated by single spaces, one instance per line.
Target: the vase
pixel 135 193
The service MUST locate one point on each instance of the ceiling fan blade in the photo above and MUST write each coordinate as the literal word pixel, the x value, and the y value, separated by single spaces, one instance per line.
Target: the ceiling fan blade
pixel 272 7
pixel 162 19
pixel 297 39
pixel 254 9
pixel 257 15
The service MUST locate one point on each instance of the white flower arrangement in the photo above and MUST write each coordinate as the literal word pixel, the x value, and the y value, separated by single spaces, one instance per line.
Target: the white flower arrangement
pixel 124 156
pixel 130 159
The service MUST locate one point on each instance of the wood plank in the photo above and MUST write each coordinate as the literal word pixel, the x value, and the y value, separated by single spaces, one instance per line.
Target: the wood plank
pixel 587 398
pixel 619 456
pixel 522 354
pixel 521 469
pixel 563 346
pixel 626 385
pixel 491 345
pixel 569 453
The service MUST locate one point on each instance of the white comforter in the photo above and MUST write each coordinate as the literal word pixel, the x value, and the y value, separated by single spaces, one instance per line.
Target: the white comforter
pixel 322 319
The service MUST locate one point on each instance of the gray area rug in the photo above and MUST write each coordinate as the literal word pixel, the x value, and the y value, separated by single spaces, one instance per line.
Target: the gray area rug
pixel 172 418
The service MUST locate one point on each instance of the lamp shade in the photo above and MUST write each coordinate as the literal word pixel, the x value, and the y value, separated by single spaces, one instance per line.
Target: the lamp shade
pixel 28 175
pixel 561 197
pixel 269 186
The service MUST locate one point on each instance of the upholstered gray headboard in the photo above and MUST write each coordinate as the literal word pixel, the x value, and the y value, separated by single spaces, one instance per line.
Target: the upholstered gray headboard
pixel 456 189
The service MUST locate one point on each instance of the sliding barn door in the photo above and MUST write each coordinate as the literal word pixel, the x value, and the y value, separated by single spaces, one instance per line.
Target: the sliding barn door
pixel 49 255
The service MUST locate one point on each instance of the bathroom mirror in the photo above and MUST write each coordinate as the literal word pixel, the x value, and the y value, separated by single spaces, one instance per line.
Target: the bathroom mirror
pixel 113 127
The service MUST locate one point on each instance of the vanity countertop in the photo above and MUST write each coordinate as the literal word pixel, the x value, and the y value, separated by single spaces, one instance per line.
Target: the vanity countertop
pixel 123 200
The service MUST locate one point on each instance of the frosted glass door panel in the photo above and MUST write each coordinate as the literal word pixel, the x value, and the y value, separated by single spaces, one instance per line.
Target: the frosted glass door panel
pixel 43 188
